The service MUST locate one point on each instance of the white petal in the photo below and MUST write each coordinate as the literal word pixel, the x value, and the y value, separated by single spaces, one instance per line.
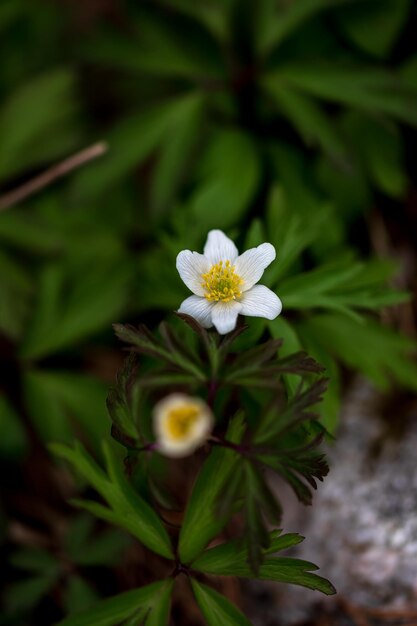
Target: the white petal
pixel 224 316
pixel 219 247
pixel 191 266
pixel 251 264
pixel 261 302
pixel 199 308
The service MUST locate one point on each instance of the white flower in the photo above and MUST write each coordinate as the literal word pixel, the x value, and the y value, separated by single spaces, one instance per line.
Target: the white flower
pixel 181 424
pixel 224 283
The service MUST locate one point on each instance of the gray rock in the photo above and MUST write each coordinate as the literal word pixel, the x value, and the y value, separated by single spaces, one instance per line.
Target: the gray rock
pixel 362 528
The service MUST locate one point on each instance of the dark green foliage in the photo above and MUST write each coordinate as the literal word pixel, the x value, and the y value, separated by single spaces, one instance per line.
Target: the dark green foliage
pixel 284 440
pixel 278 121
pixel 44 571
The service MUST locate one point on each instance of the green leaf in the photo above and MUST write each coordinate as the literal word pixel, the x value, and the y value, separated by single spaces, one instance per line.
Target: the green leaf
pixel 281 329
pixel 176 153
pixel 278 569
pixel 55 400
pixel 329 407
pixel 176 47
pixel 35 560
pixel 169 350
pixel 74 302
pixel 310 121
pixel 289 232
pixel 226 556
pixel 26 232
pixel 378 352
pixel 300 408
pixel 212 16
pixel 218 202
pixel 159 615
pixel 387 19
pixel 342 285
pixel 125 507
pixel 119 401
pixel 26 594
pixel 79 595
pixel 112 611
pixel 358 87
pixel 281 20
pixel 16 288
pixel 380 148
pixel 215 608
pixel 31 140
pixel 131 141
pixel 201 521
pixel 87 548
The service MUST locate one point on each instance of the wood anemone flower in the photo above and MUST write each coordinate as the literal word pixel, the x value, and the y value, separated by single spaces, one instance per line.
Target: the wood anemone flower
pixel 224 283
pixel 181 424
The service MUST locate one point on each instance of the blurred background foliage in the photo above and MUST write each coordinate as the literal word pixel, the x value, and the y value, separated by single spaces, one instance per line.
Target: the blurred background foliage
pixel 284 121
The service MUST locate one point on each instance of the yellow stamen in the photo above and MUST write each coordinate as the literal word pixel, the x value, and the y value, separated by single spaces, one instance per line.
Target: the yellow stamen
pixel 222 283
pixel 181 419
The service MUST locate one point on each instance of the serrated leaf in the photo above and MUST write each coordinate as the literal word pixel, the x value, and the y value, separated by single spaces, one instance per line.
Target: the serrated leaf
pixel 300 408
pixel 141 340
pixel 119 402
pixel 215 608
pixel 279 569
pixel 227 556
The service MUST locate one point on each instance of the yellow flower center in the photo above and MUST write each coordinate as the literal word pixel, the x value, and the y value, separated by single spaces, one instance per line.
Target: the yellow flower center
pixel 222 282
pixel 181 420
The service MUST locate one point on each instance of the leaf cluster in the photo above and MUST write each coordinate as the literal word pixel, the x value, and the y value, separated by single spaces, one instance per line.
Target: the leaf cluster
pixel 45 571
pixel 232 480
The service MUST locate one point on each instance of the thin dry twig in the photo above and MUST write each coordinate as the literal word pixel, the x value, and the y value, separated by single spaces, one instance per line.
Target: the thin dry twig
pixel 50 175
